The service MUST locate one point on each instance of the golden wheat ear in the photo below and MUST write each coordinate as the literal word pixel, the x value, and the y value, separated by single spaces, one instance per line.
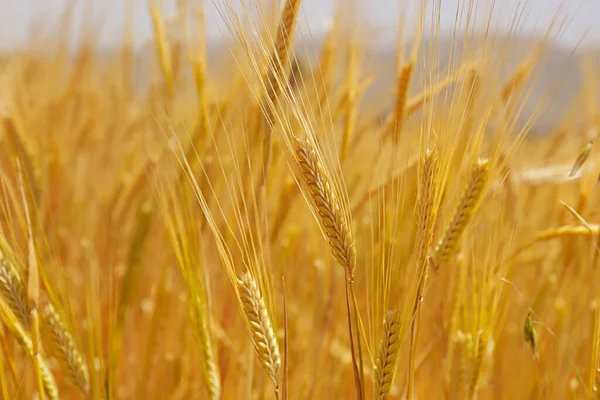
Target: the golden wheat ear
pixel 387 357
pixel 48 384
pixel 483 340
pixel 62 345
pixel 262 333
pixel 13 291
pixel 335 225
pixel 280 59
pixel 449 245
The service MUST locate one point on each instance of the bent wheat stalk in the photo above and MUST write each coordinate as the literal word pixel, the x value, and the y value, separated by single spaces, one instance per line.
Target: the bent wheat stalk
pixel 568 231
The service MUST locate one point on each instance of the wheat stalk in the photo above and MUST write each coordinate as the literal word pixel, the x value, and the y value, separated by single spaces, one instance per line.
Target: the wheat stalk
pixel 568 231
pixel 449 244
pixel 261 330
pixel 63 346
pixel 13 291
pixel 335 225
pixel 387 358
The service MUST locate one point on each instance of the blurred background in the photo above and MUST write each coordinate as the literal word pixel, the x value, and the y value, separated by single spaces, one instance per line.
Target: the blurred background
pixel 572 27
pixel 20 19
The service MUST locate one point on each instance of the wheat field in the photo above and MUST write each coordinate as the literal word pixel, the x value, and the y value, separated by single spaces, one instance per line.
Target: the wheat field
pixel 270 233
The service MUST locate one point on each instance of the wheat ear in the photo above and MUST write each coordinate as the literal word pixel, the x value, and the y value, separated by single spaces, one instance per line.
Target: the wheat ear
pixel 463 378
pixel 48 380
pixel 281 55
pixel 163 50
pixel 261 330
pixel 335 225
pixel 404 80
pixel 13 291
pixel 278 65
pixel 425 223
pixel 22 337
pixel 483 340
pixel 387 357
pixel 64 348
pixel 209 364
pixel 449 244
pixel 426 211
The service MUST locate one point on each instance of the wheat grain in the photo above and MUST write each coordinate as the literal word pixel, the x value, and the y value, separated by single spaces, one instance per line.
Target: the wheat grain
pixel 63 346
pixel 261 330
pixel 387 356
pixel 581 159
pixel 335 225
pixel 449 244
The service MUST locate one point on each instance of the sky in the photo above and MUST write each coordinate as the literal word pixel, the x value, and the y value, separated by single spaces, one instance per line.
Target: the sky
pixel 25 20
